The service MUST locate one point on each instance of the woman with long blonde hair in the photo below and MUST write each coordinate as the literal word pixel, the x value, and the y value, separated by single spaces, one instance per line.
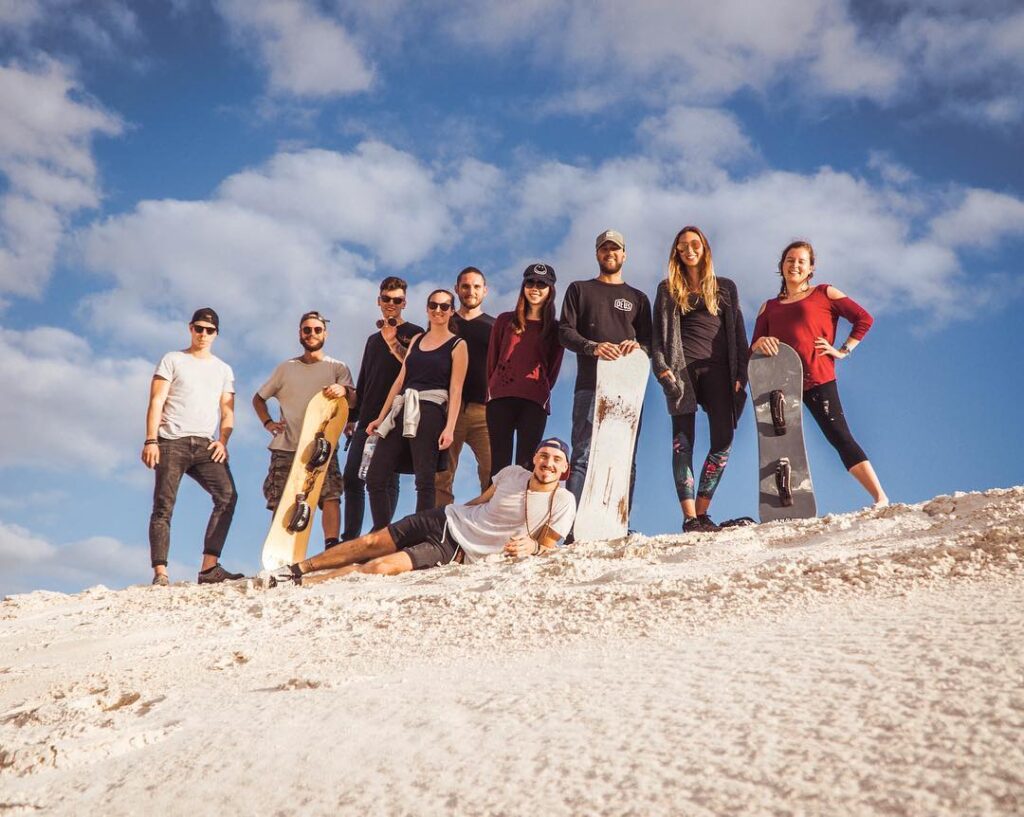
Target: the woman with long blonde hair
pixel 699 357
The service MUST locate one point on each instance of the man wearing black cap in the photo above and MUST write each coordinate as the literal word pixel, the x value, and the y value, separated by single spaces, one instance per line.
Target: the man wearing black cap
pixel 192 395
pixel 521 513
pixel 294 383
pixel 602 318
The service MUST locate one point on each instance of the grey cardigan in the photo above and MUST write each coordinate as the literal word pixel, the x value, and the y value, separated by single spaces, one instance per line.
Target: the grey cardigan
pixel 667 348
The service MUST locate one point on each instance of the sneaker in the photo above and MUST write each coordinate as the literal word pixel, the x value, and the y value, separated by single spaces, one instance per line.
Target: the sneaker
pixel 706 523
pixel 217 574
pixel 691 525
pixel 161 580
pixel 699 524
pixel 289 574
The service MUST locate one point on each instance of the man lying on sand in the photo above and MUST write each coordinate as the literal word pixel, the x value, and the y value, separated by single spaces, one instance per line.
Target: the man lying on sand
pixel 520 514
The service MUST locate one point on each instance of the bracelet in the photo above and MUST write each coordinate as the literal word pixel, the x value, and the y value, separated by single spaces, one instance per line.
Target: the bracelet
pixel 538 548
pixel 268 420
pixel 150 442
pixel 845 349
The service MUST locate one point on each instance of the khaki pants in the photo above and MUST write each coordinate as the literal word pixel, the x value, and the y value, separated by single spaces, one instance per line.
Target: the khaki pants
pixel 470 428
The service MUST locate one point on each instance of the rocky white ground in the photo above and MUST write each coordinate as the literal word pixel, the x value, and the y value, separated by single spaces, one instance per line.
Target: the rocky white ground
pixel 862 664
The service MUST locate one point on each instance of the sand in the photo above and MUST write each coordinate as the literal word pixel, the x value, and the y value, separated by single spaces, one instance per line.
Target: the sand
pixel 860 664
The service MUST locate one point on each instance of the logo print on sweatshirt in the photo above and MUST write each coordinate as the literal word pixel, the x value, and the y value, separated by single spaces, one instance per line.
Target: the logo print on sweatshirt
pixel 623 305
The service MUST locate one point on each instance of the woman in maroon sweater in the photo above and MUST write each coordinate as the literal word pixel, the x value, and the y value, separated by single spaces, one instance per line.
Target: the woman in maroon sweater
pixel 523 360
pixel 806 317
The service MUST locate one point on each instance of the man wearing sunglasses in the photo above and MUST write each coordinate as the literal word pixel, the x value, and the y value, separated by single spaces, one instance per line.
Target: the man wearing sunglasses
pixel 522 513
pixel 191 397
pixel 293 383
pixel 474 326
pixel 382 360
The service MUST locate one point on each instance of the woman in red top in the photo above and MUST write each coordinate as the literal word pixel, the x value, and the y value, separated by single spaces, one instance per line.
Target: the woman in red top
pixel 523 360
pixel 806 317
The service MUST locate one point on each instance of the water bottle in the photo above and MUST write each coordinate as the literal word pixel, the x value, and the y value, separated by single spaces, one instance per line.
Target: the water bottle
pixel 364 463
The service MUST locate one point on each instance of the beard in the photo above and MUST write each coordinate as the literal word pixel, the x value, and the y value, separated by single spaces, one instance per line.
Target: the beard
pixel 312 343
pixel 610 266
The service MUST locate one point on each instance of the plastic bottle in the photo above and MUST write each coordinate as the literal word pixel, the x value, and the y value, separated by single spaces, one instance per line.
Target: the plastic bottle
pixel 364 463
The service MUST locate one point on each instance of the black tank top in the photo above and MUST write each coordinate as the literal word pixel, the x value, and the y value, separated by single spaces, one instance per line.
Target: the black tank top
pixel 429 370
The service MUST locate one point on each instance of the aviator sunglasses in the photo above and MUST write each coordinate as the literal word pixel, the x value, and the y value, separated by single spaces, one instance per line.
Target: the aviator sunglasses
pixel 436 305
pixel 200 330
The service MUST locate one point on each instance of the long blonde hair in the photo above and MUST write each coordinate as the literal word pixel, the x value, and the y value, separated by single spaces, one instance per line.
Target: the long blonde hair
pixel 708 283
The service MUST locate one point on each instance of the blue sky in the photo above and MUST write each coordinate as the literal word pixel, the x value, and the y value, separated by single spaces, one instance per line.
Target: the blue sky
pixel 269 158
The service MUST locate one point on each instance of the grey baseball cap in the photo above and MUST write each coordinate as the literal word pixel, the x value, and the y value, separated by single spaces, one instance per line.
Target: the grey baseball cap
pixel 611 235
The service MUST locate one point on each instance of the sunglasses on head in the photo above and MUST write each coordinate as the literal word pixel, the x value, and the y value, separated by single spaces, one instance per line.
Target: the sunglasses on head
pixel 397 300
pixel 199 330
pixel 439 306
pixel 312 330
pixel 534 283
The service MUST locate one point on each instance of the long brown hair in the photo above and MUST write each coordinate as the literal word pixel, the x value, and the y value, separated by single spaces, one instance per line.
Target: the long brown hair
pixel 547 312
pixel 794 245
pixel 707 282
pixel 453 321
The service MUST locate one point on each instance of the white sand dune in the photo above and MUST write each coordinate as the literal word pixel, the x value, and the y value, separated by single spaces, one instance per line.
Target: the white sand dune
pixel 861 664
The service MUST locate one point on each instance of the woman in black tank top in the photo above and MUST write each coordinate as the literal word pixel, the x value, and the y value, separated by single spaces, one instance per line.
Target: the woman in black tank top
pixel 437 360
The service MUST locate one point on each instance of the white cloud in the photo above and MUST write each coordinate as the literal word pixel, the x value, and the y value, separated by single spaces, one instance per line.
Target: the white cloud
pixel 305 52
pixel 67 407
pixel 982 218
pixel 310 229
pixel 706 139
pixel 31 562
pixel 46 131
pixel 871 239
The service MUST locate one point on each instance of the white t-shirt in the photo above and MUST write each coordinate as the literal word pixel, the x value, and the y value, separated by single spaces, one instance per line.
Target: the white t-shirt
pixel 192 408
pixel 484 529
pixel 294 383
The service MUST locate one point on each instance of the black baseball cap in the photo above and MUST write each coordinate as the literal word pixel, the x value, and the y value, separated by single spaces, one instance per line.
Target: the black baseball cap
pixel 540 272
pixel 206 314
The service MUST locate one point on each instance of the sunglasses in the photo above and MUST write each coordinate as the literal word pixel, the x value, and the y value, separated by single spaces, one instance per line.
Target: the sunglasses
pixel 533 283
pixel 381 322
pixel 312 330
pixel 397 300
pixel 200 330
pixel 437 306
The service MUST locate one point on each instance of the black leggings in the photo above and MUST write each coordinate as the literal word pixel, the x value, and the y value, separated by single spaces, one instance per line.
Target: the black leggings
pixel 714 391
pixel 388 453
pixel 823 403
pixel 517 417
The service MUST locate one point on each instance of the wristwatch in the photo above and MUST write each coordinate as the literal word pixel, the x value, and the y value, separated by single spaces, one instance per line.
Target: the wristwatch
pixel 845 349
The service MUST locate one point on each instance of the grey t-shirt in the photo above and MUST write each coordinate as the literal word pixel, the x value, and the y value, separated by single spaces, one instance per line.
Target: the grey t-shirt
pixel 294 383
pixel 192 408
pixel 484 529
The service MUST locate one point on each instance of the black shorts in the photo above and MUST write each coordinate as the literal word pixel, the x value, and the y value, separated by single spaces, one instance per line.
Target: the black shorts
pixel 425 538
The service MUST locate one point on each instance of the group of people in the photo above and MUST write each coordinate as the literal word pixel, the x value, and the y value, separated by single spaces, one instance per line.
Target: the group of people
pixel 470 379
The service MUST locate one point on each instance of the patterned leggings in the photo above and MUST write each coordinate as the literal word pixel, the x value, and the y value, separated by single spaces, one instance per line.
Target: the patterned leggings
pixel 714 392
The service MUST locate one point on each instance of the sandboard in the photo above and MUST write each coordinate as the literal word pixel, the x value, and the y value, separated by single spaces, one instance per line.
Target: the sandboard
pixel 603 511
pixel 324 419
pixel 780 435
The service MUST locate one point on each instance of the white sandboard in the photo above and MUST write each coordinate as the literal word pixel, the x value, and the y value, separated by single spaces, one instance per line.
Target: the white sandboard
pixel 603 511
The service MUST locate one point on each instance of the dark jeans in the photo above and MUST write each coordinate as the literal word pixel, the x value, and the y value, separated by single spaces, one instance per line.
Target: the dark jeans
pixel 519 418
pixel 190 455
pixel 355 488
pixel 385 462
pixel 582 431
pixel 824 405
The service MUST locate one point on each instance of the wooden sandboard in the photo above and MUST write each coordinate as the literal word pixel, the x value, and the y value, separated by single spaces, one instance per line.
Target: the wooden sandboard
pixel 604 504
pixel 326 416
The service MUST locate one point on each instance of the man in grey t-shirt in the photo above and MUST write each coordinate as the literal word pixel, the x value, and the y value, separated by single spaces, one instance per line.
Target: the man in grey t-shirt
pixel 521 513
pixel 190 417
pixel 294 383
